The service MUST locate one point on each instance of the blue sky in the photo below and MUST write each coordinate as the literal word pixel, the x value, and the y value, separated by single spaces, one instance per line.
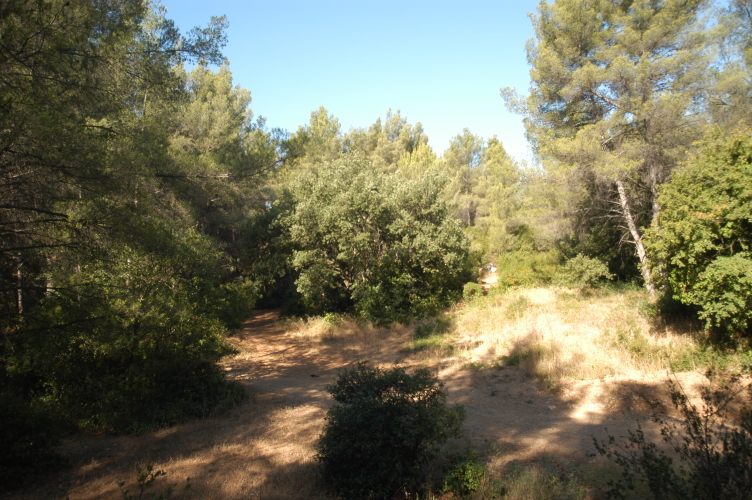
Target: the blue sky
pixel 440 62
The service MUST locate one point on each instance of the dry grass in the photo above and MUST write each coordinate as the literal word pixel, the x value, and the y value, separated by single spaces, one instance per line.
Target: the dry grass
pixel 257 451
pixel 265 448
pixel 342 331
pixel 561 337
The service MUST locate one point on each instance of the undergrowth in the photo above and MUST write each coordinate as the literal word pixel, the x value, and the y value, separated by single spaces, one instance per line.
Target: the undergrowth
pixel 710 448
pixel 539 481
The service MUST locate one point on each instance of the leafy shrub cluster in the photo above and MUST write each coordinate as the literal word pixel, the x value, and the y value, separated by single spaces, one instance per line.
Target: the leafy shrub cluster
pixel 119 268
pixel 527 267
pixel 582 271
pixel 702 239
pixel 146 327
pixel 383 430
pixel 381 245
pixel 465 474
pixel 714 453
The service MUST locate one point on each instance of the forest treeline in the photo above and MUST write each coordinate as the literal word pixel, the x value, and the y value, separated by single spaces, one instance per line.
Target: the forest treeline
pixel 144 210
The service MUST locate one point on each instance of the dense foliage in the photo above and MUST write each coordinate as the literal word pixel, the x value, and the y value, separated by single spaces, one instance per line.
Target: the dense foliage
pixel 703 236
pixel 384 428
pixel 581 272
pixel 124 182
pixel 611 110
pixel 379 244
pixel 144 211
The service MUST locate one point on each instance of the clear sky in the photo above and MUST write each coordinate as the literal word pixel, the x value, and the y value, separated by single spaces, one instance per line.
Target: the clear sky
pixel 440 63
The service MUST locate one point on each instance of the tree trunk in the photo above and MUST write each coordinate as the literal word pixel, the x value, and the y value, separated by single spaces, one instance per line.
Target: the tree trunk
pixel 19 288
pixel 637 237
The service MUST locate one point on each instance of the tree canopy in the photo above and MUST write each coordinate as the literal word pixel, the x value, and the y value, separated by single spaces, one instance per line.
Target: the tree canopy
pixel 615 100
pixel 119 276
pixel 381 244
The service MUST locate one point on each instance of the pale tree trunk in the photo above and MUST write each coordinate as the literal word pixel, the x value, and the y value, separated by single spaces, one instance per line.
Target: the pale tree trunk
pixel 637 237
pixel 19 288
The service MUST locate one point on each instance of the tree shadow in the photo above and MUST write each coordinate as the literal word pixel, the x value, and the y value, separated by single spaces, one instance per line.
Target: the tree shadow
pixel 265 447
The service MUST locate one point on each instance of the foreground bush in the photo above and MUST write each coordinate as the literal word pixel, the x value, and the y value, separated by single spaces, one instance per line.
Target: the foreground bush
pixel 384 429
pixel 714 453
pixel 465 475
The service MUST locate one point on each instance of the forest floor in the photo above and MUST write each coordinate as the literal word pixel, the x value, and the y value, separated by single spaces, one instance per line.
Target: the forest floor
pixel 265 447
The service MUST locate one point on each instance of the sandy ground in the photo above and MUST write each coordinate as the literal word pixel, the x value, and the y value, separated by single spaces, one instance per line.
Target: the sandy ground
pixel 265 448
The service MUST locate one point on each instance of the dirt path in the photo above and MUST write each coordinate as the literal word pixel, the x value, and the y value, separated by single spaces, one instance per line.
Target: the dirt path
pixel 265 448
pixel 508 413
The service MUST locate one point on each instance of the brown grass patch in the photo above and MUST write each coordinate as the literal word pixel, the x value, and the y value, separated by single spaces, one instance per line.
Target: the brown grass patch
pixel 560 337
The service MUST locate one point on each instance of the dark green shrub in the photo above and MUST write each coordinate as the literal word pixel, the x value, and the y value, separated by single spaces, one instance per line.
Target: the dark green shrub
pixel 465 474
pixel 379 245
pixel 527 268
pixel 715 455
pixel 383 430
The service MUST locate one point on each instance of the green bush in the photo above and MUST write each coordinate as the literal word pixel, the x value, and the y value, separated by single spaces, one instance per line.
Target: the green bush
pixel 385 427
pixel 715 455
pixel 581 272
pixel 724 289
pixel 465 474
pixel 150 357
pixel 527 267
pixel 701 243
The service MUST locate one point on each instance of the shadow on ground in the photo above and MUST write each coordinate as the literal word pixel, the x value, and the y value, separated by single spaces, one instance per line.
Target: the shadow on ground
pixel 265 448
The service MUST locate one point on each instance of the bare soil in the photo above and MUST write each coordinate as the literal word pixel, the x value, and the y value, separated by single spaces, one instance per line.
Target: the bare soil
pixel 265 448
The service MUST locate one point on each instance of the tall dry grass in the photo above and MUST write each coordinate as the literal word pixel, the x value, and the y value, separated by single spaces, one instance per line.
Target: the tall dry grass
pixel 559 336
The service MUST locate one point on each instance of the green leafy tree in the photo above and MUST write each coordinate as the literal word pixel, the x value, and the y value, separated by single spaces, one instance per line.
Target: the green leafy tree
pixel 114 298
pixel 615 96
pixel 731 102
pixel 389 143
pixel 702 240
pixel 319 141
pixel 380 244
pixel 219 157
pixel 420 160
pixel 499 202
pixel 462 161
